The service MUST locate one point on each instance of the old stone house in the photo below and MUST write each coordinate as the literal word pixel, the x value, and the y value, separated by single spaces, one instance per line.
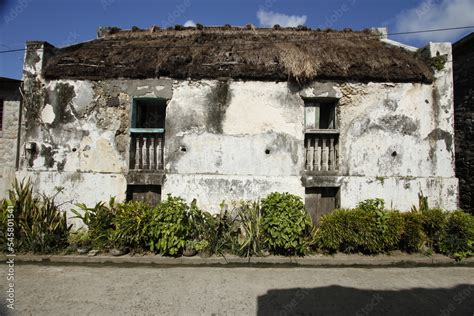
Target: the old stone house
pixel 463 61
pixel 10 107
pixel 229 113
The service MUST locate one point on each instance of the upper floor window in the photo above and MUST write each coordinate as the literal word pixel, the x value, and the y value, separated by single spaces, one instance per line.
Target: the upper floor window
pixel 320 114
pixel 147 134
pixel 321 135
pixel 148 113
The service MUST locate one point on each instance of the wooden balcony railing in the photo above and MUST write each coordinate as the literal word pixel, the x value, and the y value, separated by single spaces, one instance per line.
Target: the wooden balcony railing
pixel 146 151
pixel 322 151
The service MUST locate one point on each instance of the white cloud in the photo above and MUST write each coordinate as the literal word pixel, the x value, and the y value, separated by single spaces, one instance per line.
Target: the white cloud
pixel 189 23
pixel 270 18
pixel 436 14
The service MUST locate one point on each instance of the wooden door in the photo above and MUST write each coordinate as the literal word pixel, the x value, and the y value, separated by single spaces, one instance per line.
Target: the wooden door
pixel 150 194
pixel 320 201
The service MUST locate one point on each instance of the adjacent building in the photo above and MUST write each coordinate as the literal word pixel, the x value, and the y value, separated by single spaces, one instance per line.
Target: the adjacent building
pixel 10 109
pixel 463 61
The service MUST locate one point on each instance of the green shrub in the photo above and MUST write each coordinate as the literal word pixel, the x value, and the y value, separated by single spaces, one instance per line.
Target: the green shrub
pixel 372 205
pixel 168 228
pixel 99 221
pixel 40 226
pixel 393 233
pixel 413 236
pixel 367 229
pixel 388 229
pixel 286 226
pixel 131 225
pixel 434 223
pixel 458 236
pixel 333 233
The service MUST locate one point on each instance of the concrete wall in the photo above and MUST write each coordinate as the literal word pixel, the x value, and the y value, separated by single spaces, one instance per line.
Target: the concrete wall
pixel 396 139
pixel 10 94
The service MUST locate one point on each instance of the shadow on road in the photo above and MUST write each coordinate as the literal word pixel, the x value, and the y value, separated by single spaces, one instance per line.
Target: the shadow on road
pixel 337 300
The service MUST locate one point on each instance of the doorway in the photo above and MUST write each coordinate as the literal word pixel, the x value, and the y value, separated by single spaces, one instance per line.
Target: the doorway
pixel 320 201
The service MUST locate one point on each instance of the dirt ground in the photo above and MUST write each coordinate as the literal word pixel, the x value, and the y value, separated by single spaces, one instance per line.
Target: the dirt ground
pixel 148 290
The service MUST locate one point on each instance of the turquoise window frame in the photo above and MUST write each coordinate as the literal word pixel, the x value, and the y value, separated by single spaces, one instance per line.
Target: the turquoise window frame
pixel 133 116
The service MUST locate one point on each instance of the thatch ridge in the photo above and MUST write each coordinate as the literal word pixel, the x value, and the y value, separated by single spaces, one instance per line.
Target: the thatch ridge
pixel 298 54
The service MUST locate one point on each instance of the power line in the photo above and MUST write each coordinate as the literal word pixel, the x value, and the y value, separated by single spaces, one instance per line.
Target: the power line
pixel 13 50
pixel 273 42
pixel 434 30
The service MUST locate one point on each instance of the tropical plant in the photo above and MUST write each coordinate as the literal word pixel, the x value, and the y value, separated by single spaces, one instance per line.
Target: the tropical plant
pixel 224 231
pixel 377 208
pixel 198 245
pixel 99 220
pixel 130 225
pixel 40 226
pixel 201 228
pixel 286 226
pixel 422 203
pixel 168 228
pixel 250 222
pixel 79 238
pixel 372 205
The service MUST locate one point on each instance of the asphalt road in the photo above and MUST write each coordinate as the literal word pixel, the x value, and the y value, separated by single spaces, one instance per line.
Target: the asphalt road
pixel 146 290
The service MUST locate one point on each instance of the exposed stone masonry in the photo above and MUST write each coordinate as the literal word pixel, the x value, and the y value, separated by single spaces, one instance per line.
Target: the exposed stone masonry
pixel 463 55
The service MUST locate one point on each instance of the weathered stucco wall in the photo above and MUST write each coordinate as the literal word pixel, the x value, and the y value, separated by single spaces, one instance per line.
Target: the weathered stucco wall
pixel 10 94
pixel 232 140
pixel 243 140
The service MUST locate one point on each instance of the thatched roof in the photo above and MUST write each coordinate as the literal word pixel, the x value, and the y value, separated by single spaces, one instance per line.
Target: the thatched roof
pixel 241 53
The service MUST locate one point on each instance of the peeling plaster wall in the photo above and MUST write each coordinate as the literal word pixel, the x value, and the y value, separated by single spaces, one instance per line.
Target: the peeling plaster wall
pixel 391 130
pixel 256 117
pixel 396 140
pixel 225 157
pixel 232 140
pixel 78 187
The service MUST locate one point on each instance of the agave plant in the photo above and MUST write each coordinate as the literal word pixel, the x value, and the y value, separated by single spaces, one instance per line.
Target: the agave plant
pixel 40 226
pixel 225 230
pixel 250 237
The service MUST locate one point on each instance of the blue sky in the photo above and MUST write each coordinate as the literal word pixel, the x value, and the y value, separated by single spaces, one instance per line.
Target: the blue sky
pixel 63 22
